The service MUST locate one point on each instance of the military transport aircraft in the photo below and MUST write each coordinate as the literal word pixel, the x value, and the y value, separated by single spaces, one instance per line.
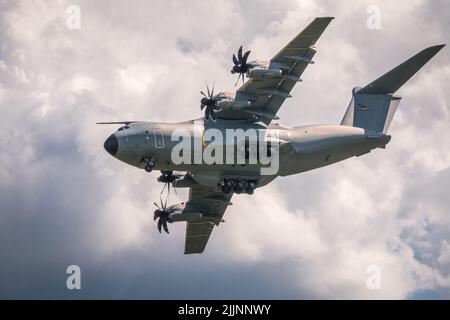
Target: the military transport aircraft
pixel 150 145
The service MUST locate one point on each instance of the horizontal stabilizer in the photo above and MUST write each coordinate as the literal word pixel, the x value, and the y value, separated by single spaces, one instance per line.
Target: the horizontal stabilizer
pixel 117 122
pixel 397 77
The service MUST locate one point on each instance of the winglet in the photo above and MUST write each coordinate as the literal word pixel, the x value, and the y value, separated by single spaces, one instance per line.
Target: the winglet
pixel 397 77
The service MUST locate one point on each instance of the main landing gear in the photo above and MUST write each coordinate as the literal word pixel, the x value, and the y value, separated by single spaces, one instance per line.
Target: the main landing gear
pixel 238 186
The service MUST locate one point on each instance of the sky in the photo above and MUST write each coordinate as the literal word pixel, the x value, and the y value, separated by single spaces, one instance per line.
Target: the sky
pixel 316 235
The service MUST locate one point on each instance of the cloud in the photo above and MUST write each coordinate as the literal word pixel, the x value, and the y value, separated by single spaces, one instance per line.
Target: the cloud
pixel 63 200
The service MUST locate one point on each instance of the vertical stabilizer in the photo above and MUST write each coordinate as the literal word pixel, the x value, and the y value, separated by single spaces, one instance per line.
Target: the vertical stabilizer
pixel 373 107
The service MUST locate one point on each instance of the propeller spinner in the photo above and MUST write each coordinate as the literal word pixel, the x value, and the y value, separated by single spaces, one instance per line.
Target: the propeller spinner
pixel 209 103
pixel 168 178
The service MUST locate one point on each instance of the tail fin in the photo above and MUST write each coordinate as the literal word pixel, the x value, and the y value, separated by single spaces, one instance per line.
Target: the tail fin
pixel 374 106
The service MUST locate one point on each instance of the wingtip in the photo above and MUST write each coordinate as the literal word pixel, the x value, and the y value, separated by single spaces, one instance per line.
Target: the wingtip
pixel 432 50
pixel 429 52
pixel 436 48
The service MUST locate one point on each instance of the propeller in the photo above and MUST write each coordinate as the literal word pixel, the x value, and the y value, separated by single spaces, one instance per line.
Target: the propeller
pixel 162 215
pixel 240 65
pixel 168 178
pixel 209 103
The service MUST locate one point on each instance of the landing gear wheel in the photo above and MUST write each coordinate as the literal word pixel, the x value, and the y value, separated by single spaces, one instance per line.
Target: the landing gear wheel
pixel 237 186
pixel 240 187
pixel 250 187
pixel 229 184
pixel 226 190
pixel 149 166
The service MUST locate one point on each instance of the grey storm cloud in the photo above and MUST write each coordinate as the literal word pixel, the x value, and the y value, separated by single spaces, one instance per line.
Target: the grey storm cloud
pixel 63 200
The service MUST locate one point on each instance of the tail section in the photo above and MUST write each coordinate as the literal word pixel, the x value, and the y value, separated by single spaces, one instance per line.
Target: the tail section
pixel 374 106
pixel 371 111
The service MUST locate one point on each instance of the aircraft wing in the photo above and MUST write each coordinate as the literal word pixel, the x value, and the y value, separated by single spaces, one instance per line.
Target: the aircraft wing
pixel 262 98
pixel 212 203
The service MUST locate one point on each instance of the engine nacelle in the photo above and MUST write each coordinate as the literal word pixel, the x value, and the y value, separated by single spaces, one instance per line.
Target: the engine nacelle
pixel 258 73
pixel 225 104
pixel 183 212
pixel 225 100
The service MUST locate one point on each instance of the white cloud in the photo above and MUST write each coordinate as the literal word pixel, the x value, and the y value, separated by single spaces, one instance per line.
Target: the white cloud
pixel 144 61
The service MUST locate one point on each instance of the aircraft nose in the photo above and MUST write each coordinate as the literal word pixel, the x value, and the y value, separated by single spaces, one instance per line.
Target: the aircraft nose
pixel 111 144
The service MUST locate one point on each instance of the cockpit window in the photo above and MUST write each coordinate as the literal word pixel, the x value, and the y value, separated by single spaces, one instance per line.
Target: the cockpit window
pixel 123 128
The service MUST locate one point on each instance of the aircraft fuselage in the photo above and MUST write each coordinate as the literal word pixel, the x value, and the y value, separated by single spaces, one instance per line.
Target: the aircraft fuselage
pixel 301 148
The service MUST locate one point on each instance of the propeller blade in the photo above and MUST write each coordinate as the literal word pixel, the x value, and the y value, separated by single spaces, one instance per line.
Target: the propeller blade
pixel 240 54
pixel 207 88
pixel 164 224
pixel 156 205
pixel 163 191
pixel 212 92
pixel 156 215
pixel 165 205
pixel 159 225
pixel 239 77
pixel 244 59
pixel 235 60
pixel 203 94
pixel 160 199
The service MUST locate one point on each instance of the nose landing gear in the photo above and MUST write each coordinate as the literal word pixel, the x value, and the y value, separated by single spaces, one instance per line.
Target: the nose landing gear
pixel 149 166
pixel 149 163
